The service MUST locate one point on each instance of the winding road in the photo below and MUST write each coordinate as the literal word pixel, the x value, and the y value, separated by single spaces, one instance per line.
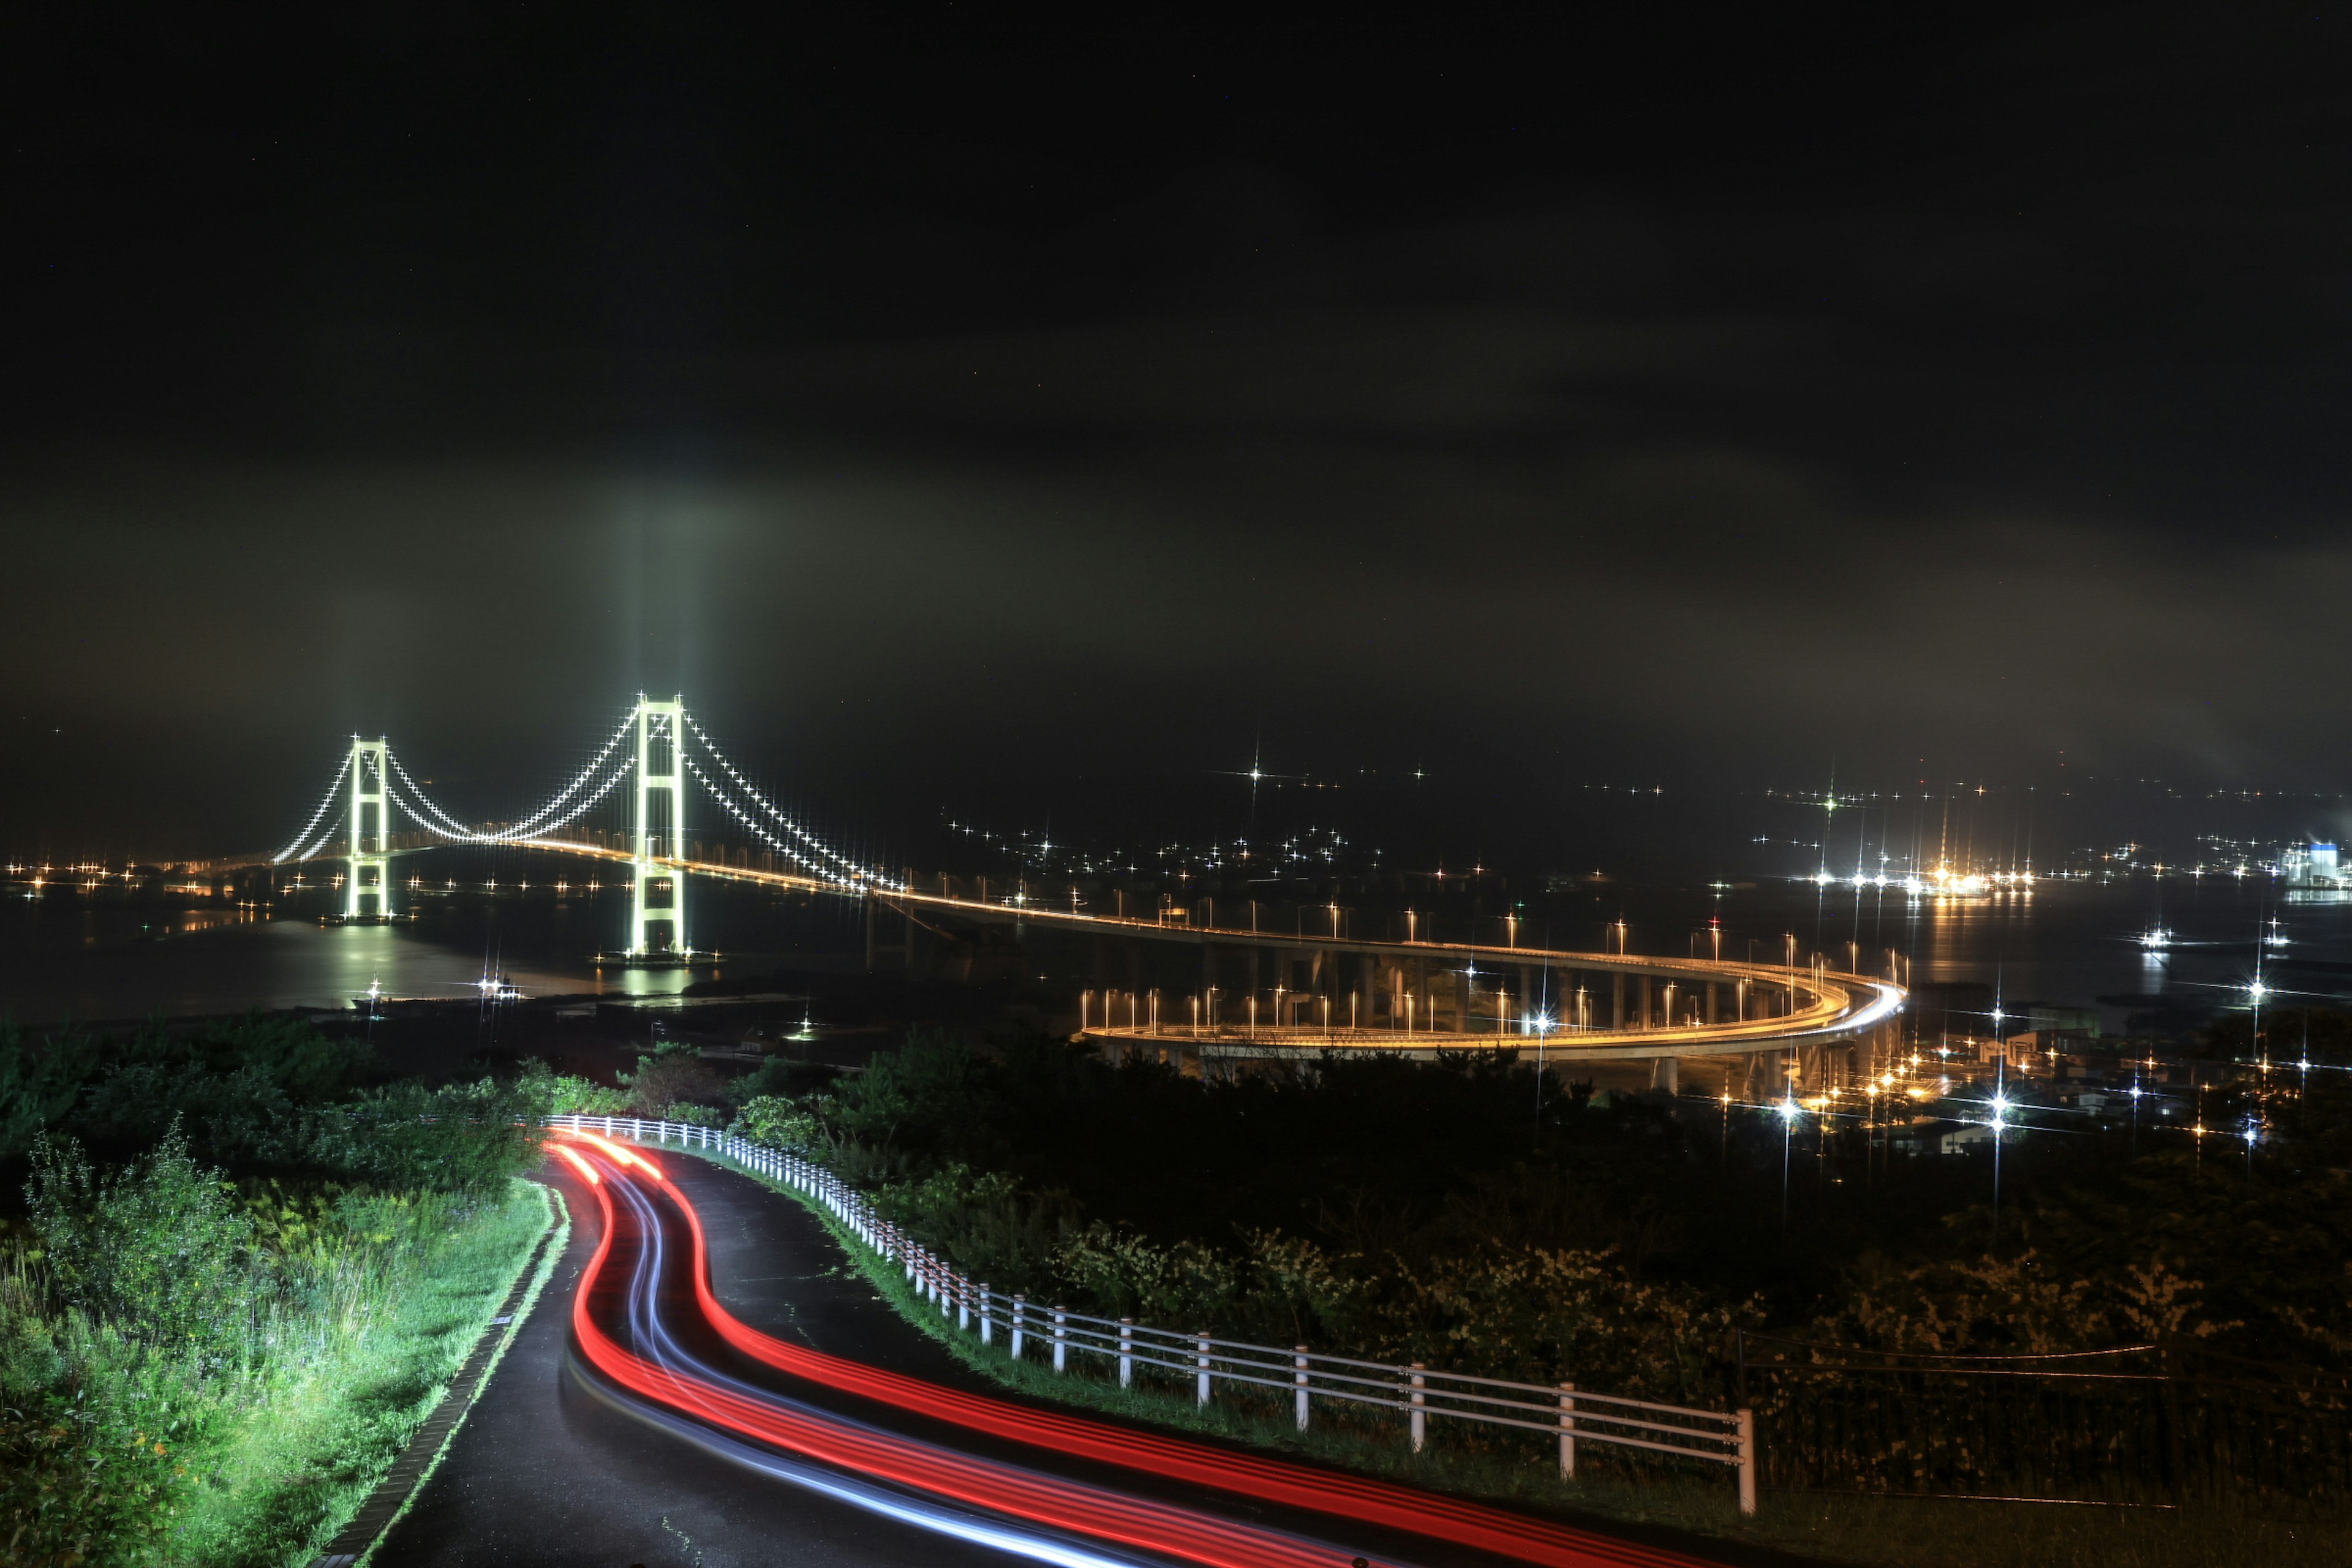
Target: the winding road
pixel 706 1383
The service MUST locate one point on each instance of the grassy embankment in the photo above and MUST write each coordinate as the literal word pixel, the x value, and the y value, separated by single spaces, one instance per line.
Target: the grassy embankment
pixel 216 1338
pixel 301 1450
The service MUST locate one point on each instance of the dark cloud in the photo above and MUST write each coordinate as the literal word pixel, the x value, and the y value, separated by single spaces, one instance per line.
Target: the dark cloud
pixel 963 409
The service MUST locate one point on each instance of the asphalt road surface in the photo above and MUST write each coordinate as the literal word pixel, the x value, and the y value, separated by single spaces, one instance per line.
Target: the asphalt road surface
pixel 552 1468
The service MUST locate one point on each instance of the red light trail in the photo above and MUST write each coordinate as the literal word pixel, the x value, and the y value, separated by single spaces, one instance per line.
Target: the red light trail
pixel 673 1380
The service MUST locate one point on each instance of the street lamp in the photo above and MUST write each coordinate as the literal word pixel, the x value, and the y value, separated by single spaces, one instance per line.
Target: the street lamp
pixel 1541 1023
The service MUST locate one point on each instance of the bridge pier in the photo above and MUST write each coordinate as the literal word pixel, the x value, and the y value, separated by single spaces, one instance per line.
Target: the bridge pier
pixel 877 949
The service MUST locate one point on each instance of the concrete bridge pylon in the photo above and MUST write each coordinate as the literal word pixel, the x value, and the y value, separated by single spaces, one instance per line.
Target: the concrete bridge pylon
pixel 368 895
pixel 657 929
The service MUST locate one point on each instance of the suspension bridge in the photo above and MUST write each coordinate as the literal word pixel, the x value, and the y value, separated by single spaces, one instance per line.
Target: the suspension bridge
pixel 1260 994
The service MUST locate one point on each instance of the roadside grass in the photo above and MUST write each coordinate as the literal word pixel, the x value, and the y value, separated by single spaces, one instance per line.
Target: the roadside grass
pixel 1915 1532
pixel 550 1256
pixel 279 1471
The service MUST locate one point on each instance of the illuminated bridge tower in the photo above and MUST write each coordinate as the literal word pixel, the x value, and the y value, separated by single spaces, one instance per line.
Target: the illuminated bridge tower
pixel 368 896
pixel 657 913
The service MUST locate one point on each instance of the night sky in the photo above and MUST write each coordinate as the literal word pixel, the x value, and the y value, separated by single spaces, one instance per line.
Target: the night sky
pixel 1009 418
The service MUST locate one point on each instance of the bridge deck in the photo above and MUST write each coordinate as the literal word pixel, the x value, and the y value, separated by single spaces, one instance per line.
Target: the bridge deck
pixel 1826 1007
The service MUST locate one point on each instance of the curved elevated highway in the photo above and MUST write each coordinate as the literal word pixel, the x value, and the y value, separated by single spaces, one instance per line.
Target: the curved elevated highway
pixel 1411 997
pixel 1609 1006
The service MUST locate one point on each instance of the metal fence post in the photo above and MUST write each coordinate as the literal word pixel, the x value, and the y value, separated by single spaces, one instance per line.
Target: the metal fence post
pixel 1568 1431
pixel 963 1303
pixel 1061 1340
pixel 1420 1415
pixel 1201 1395
pixel 987 1327
pixel 1127 1353
pixel 1744 1433
pixel 1020 1327
pixel 1298 1360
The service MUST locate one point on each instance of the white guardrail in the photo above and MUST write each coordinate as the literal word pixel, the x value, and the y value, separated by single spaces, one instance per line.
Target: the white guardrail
pixel 1574 1415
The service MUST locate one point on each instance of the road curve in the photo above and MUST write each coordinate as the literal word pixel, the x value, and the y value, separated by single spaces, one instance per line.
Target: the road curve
pixel 631 1179
pixel 709 1440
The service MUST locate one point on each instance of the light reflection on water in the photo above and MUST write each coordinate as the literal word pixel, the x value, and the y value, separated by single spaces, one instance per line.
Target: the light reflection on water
pixel 2069 943
pixel 2073 943
pixel 100 964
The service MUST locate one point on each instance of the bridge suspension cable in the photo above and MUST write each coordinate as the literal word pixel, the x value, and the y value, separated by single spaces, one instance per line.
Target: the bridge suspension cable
pixel 332 790
pixel 545 818
pixel 427 814
pixel 757 830
pixel 553 815
pixel 842 868
pixel 324 839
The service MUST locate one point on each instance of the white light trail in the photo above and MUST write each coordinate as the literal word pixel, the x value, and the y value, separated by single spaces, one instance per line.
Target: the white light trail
pixel 332 790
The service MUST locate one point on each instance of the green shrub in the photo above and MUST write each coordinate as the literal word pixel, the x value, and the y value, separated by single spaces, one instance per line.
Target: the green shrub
pixel 39 1085
pixel 571 1096
pixel 782 1123
pixel 84 1478
pixel 244 1091
pixel 780 1076
pixel 158 1249
pixel 461 1138
pixel 676 1072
